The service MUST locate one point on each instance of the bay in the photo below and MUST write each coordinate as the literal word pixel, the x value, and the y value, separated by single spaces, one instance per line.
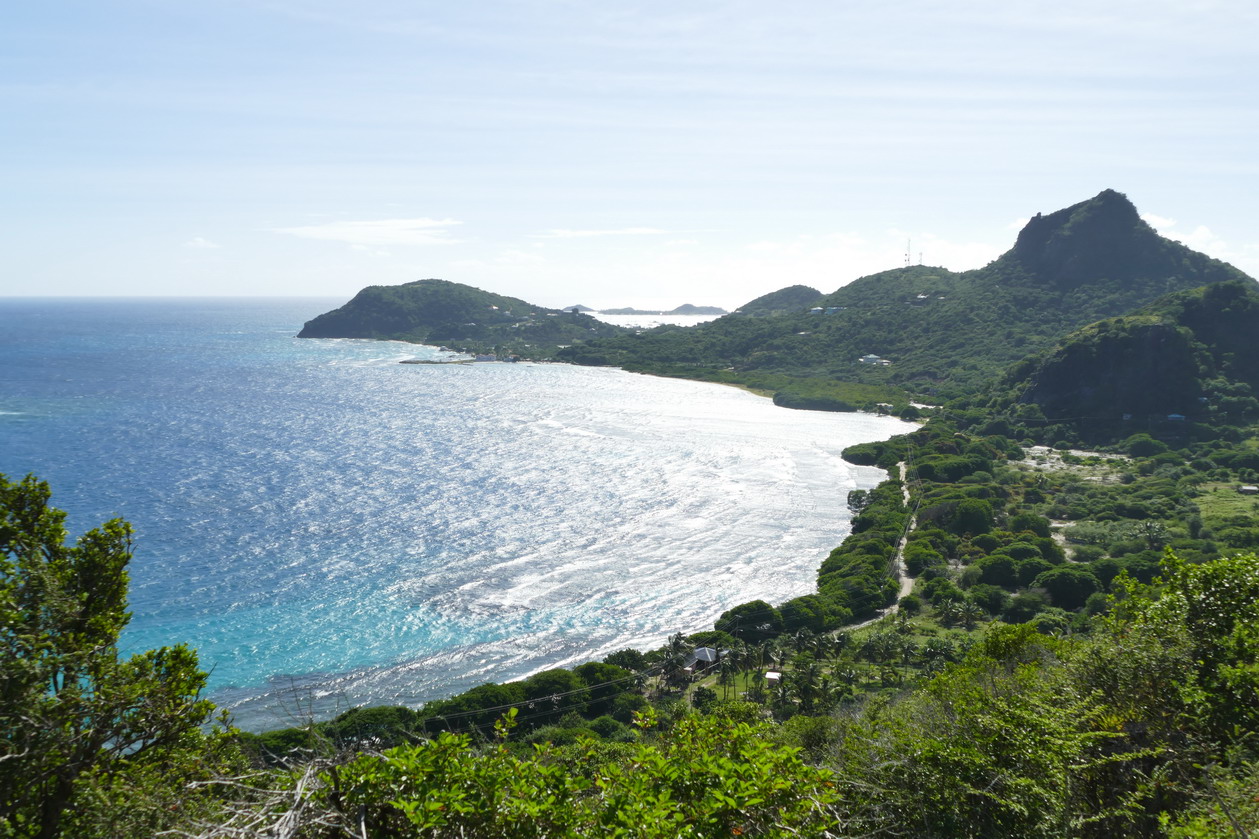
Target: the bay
pixel 329 527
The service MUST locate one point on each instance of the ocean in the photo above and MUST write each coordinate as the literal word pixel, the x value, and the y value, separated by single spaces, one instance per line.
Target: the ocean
pixel 329 527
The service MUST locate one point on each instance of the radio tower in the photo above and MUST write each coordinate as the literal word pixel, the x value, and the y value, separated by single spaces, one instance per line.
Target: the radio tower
pixel 909 252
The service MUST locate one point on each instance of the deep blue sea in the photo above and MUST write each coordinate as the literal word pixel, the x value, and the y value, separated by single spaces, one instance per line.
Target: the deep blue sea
pixel 329 527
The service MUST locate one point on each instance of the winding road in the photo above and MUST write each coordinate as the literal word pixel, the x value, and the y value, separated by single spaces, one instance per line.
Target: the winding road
pixel 906 581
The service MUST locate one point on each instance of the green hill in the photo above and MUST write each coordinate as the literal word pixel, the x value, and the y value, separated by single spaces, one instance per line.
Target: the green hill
pixel 460 316
pixel 1183 362
pixel 944 333
pixel 787 300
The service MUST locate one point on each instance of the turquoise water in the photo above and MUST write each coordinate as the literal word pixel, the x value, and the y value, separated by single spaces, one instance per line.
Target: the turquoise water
pixel 329 527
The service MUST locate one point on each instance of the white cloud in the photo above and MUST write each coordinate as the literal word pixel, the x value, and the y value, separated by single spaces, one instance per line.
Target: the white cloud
pixel 579 234
pixel 1204 240
pixel 200 243
pixel 1158 222
pixel 1201 238
pixel 401 231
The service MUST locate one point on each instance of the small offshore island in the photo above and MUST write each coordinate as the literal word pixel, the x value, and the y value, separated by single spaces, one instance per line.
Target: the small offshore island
pixel 1043 625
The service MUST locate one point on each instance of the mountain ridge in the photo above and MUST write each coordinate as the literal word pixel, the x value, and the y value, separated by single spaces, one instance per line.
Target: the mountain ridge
pixel 943 333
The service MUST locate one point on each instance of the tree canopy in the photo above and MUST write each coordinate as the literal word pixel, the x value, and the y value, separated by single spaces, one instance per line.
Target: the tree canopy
pixel 69 705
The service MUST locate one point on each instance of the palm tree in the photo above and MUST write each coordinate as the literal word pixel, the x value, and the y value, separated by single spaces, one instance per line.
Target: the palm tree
pixel 970 613
pixel 937 650
pixel 675 654
pixel 841 641
pixel 803 640
pixel 727 670
pixel 740 654
pixel 908 651
pixel 677 646
pixel 830 693
pixel 758 654
pixel 775 655
pixel 880 647
pixel 824 647
pixel 781 697
pixel 848 676
pixel 804 686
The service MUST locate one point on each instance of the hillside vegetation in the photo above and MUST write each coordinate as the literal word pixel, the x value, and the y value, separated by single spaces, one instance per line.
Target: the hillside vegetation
pixel 1183 367
pixel 944 333
pixel 458 316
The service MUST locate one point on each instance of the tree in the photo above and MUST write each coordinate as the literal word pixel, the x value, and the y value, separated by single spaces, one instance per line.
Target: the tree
pixel 703 698
pixel 630 659
pixel 1025 606
pixel 676 652
pixel 605 682
pixel 970 613
pixel 753 622
pixel 998 570
pixel 973 515
pixel 1068 585
pixel 69 706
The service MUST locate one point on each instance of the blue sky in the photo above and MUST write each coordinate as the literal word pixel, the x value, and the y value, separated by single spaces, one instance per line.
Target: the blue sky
pixel 604 153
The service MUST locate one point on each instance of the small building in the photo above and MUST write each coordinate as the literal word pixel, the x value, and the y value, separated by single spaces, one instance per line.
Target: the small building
pixel 701 660
pixel 816 310
pixel 773 677
pixel 1248 490
pixel 871 358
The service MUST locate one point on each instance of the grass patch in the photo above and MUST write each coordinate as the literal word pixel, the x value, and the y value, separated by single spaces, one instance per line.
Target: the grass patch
pixel 1221 501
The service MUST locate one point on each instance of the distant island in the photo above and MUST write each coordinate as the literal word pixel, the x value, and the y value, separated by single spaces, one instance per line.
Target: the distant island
pixel 684 309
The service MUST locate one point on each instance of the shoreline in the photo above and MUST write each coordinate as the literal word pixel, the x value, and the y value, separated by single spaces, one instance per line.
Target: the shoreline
pixel 766 393
pixel 346 701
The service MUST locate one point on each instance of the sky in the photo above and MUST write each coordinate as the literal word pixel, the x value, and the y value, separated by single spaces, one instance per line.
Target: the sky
pixel 606 153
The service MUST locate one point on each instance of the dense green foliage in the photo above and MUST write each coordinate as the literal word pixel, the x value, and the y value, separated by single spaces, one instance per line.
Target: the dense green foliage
pixel 77 723
pixel 1181 367
pixel 789 300
pixel 711 776
pixel 1029 736
pixel 445 313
